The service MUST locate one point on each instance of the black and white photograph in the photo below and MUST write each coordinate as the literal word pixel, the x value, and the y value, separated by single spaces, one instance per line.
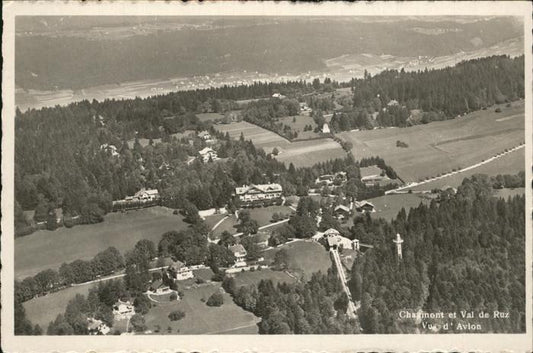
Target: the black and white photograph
pixel 271 172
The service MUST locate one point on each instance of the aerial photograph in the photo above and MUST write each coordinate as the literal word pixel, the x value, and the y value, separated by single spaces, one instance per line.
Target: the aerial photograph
pixel 250 175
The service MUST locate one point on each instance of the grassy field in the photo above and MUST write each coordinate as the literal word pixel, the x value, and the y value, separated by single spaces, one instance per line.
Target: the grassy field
pixel 203 117
pixel 440 147
pixel 511 163
pixel 261 138
pixel 308 153
pixel 200 318
pixel 248 277
pixel 300 121
pixel 263 216
pixel 305 257
pixel 388 206
pixel 42 310
pixel 505 193
pixel 300 153
pixel 45 249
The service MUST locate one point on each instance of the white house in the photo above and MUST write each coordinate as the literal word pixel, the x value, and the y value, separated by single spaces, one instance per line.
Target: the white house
pixel 325 128
pixel 257 192
pixel 278 95
pixel 180 271
pixel 335 239
pixel 240 255
pixel 123 310
pixel 208 154
pixel 146 195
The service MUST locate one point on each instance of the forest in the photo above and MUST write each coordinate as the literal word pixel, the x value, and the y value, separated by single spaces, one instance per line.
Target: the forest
pixel 391 97
pixel 465 252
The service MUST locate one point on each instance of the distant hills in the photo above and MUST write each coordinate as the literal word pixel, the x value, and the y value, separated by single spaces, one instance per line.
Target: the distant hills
pixel 63 53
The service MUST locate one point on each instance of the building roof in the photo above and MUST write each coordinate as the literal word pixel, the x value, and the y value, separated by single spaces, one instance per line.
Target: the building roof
pixel 203 134
pixel 370 171
pixel 206 151
pixel 274 187
pixel 331 232
pixel 363 203
pixel 342 208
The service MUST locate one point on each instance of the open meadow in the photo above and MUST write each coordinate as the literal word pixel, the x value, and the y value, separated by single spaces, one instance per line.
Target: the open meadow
pixel 41 310
pixel 305 257
pixel 248 277
pixel 388 206
pixel 200 318
pixel 511 163
pixel 442 146
pixel 298 123
pixel 49 249
pixel 300 153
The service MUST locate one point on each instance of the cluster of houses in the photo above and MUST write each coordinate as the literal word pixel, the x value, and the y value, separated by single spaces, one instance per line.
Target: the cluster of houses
pixel 343 212
pixel 97 327
pixel 249 194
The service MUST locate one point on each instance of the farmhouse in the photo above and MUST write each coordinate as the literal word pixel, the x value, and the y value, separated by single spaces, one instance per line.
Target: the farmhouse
pixel 179 271
pixel 335 240
pixel 123 310
pixel 240 255
pixel 208 154
pixel 146 195
pixel 342 212
pixel 364 206
pixel 258 192
pixel 372 175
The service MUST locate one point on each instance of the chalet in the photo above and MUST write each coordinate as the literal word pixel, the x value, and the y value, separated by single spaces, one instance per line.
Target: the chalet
pixel 97 327
pixel 240 255
pixel 325 128
pixel 372 175
pixel 258 192
pixel 208 154
pixel 123 310
pixel 335 240
pixel 146 195
pixel 342 212
pixel 179 271
pixel 364 206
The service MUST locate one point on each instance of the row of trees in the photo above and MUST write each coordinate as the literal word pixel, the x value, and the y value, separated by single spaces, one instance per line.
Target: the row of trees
pixel 79 271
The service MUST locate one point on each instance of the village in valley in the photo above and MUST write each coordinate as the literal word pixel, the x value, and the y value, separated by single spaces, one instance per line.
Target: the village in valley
pixel 274 208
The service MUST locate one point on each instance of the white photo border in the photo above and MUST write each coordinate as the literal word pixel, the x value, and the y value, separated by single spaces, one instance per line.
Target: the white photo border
pixel 249 343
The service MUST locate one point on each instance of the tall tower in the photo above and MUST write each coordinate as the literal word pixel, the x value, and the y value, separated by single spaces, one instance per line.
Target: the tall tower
pixel 398 242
